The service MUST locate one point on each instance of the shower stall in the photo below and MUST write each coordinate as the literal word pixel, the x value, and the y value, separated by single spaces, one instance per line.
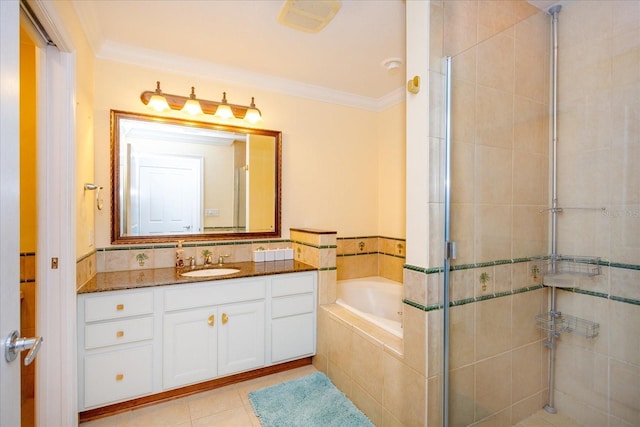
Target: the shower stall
pixel 534 160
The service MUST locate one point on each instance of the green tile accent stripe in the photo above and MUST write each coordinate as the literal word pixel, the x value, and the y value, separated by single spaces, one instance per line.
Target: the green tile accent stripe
pixel 312 245
pixel 601 295
pixel 626 300
pixel 472 300
pixel 327 268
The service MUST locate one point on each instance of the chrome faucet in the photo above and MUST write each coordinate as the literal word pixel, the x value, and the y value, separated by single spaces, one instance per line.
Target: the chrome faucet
pixel 221 259
pixel 192 262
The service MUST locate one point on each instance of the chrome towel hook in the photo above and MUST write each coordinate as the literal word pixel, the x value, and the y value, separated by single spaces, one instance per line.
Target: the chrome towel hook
pixel 88 186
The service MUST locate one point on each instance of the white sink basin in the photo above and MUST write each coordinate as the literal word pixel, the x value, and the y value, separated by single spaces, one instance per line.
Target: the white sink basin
pixel 210 272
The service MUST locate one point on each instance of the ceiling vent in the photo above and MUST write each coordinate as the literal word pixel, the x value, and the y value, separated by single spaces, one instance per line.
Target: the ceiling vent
pixel 308 15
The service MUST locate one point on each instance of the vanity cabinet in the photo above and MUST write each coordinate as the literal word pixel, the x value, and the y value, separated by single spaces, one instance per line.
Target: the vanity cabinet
pixel 140 342
pixel 201 343
pixel 116 347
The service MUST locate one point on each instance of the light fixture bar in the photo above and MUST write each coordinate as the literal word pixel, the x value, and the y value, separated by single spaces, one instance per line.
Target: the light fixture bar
pixel 176 102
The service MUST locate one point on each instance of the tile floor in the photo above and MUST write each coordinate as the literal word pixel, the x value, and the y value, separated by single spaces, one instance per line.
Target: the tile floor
pixel 544 419
pixel 230 407
pixel 223 407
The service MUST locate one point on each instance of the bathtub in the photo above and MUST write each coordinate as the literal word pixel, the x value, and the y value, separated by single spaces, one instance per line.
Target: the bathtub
pixel 376 299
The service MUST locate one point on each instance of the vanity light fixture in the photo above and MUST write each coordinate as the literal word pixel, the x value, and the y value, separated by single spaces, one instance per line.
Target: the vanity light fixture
pixel 192 106
pixel 160 101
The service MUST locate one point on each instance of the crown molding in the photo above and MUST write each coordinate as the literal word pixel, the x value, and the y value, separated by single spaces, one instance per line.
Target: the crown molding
pixel 149 58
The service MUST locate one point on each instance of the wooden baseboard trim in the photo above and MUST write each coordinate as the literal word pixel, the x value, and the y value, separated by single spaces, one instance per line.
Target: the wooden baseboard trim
pixel 165 396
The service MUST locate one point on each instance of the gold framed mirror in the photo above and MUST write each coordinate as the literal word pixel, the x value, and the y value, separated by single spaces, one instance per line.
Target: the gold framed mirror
pixel 175 179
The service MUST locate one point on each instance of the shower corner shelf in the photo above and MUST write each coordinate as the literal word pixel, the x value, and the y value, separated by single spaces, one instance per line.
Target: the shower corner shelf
pixel 570 265
pixel 556 323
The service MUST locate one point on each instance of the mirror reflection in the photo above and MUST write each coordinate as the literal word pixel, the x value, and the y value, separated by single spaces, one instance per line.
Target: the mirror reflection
pixel 177 179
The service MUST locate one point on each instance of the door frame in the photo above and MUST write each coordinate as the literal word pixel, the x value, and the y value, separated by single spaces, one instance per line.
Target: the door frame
pixel 56 365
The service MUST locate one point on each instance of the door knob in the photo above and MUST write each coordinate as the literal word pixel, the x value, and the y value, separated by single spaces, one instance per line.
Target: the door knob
pixel 13 345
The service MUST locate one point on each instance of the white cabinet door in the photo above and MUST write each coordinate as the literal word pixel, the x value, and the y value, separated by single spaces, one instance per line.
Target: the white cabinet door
pixel 189 348
pixel 241 337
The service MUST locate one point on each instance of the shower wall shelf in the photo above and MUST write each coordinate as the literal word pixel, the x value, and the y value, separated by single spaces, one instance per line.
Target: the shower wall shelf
pixel 570 265
pixel 557 323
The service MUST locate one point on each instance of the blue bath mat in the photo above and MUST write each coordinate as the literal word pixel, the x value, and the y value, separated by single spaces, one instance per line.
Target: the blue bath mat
pixel 306 402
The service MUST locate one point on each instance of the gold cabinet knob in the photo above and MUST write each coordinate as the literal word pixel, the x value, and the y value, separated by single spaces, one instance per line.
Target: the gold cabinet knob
pixel 120 307
pixel 120 334
pixel 225 318
pixel 211 320
pixel 119 377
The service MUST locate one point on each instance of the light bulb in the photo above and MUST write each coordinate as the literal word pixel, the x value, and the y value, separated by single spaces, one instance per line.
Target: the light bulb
pixel 192 106
pixel 224 111
pixel 157 101
pixel 253 114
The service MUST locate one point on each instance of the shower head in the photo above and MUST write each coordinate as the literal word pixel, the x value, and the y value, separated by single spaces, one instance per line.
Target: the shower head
pixel 555 9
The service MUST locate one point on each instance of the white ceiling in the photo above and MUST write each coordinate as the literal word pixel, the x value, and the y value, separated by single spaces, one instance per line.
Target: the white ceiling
pixel 241 40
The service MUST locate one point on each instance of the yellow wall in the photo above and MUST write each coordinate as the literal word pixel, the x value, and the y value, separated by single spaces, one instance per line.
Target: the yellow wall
pixel 330 174
pixel 85 200
pixel 261 183
pixel 28 213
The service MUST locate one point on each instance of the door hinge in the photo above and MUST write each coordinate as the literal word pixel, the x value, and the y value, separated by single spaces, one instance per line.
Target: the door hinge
pixel 450 250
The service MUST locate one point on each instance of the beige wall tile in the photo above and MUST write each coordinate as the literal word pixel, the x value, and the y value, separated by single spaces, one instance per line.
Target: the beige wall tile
pixel 372 408
pixel 493 385
pixel 365 370
pixel 340 342
pixel 404 392
pixel 493 233
pixel 494 16
pixel 462 335
pixel 461 283
pixel 625 391
pixel 493 327
pixel 525 306
pixel 526 374
pixel 496 61
pixel 415 286
pixel 462 396
pixel 494 117
pixel 583 374
pixel 434 342
pixel 460 25
pixel 415 338
pixel 434 396
pixel 624 336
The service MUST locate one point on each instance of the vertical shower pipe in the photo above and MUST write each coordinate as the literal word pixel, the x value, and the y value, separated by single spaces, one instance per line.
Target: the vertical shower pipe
pixel 449 246
pixel 549 407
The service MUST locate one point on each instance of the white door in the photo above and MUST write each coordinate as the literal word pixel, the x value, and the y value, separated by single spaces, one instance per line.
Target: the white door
pixel 169 193
pixel 9 208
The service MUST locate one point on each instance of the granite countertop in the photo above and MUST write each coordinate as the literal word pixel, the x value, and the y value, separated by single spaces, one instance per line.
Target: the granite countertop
pixel 135 279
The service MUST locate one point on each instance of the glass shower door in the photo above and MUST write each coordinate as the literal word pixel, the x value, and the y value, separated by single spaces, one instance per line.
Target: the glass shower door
pixel 494 362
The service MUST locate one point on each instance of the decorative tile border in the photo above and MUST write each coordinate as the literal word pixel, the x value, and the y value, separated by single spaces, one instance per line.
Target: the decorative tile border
pixel 436 270
pixel 381 242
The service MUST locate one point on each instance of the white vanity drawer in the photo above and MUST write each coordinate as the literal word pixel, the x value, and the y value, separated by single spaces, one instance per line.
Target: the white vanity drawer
pixel 117 375
pixel 98 335
pixel 291 284
pixel 290 305
pixel 292 337
pixel 105 307
pixel 213 293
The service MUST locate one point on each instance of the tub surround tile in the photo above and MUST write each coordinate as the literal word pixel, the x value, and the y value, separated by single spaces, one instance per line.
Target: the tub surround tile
pixel 404 392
